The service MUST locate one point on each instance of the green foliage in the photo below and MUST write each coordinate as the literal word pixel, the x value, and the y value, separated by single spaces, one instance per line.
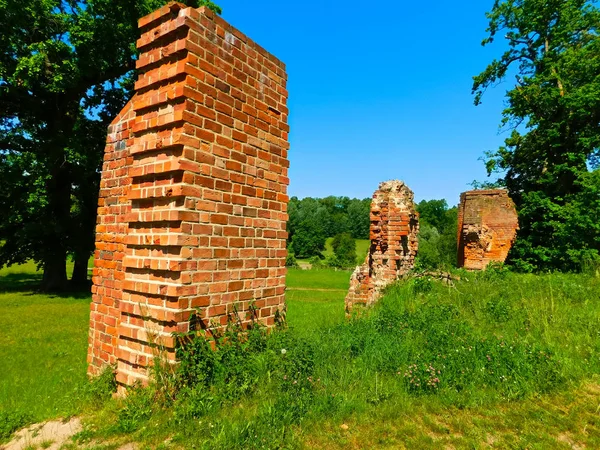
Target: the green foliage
pixel 435 213
pixel 290 260
pixel 232 366
pixel 317 262
pixel 307 227
pixel 422 285
pixel 362 248
pixel 243 364
pixel 198 362
pixel 136 410
pixel 66 70
pixel 480 343
pixel 309 240
pixel 437 235
pixel 313 220
pixel 103 386
pixel 498 309
pixel 495 271
pixel 11 421
pixel 208 3
pixel 436 348
pixel 548 161
pixel 359 222
pixel 344 251
pixel 193 403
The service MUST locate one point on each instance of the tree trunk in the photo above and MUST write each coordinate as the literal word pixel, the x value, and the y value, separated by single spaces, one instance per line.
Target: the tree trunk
pixel 58 188
pixel 80 272
pixel 55 274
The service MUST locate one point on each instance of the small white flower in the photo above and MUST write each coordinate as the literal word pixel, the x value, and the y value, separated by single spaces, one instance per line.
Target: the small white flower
pixel 283 351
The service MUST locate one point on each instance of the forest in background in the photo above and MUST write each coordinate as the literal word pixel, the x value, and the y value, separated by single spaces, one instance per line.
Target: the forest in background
pixel 313 220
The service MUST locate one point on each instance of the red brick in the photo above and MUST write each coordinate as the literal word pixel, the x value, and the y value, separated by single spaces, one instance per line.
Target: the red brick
pixel 392 250
pixel 487 227
pixel 186 177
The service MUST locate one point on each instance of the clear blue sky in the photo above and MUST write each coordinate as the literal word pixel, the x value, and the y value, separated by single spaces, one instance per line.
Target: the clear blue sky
pixel 380 91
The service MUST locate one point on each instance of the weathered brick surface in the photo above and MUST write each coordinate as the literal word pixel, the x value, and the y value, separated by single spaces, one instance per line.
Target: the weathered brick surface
pixel 193 202
pixel 487 227
pixel 111 230
pixel 394 244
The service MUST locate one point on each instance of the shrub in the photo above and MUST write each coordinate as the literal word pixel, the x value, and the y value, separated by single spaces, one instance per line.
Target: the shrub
pixel 422 285
pixel 344 250
pixel 317 262
pixel 290 260
pixel 495 271
pixel 437 235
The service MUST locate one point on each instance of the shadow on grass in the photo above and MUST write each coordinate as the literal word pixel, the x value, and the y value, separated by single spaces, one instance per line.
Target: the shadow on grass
pixel 20 282
pixel 29 284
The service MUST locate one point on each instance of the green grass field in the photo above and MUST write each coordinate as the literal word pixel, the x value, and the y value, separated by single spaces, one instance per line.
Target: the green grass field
pixel 499 361
pixel 43 344
pixel 315 298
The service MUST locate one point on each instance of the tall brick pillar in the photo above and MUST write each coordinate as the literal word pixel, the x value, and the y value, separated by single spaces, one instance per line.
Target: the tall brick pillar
pixel 193 202
pixel 487 227
pixel 394 244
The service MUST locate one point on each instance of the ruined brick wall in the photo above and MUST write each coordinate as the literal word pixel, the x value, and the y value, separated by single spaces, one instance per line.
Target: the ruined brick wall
pixel 394 244
pixel 111 230
pixel 487 227
pixel 193 207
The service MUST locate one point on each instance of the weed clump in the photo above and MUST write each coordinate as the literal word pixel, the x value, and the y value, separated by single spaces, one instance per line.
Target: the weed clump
pixel 11 421
pixel 103 386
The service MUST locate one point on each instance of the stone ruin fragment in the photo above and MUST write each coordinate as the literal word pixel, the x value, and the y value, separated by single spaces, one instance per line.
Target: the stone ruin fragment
pixel 394 230
pixel 487 227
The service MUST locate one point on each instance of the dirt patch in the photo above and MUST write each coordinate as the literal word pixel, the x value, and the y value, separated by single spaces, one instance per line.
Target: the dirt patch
pixel 51 434
pixel 567 439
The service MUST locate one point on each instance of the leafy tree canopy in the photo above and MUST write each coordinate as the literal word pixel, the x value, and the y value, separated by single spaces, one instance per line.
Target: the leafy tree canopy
pixel 344 251
pixel 66 69
pixel 313 220
pixel 437 235
pixel 554 113
pixel 436 214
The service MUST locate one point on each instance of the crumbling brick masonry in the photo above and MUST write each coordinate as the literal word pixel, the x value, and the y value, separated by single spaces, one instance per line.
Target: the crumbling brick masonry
pixel 193 205
pixel 487 227
pixel 394 245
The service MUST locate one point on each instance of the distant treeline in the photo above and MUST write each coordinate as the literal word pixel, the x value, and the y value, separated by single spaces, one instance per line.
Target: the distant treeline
pixel 313 220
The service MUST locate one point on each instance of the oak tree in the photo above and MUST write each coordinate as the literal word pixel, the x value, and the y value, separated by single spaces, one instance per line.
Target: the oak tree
pixel 549 161
pixel 66 69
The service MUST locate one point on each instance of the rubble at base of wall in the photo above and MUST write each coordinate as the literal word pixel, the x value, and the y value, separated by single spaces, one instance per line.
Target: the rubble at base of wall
pixel 393 234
